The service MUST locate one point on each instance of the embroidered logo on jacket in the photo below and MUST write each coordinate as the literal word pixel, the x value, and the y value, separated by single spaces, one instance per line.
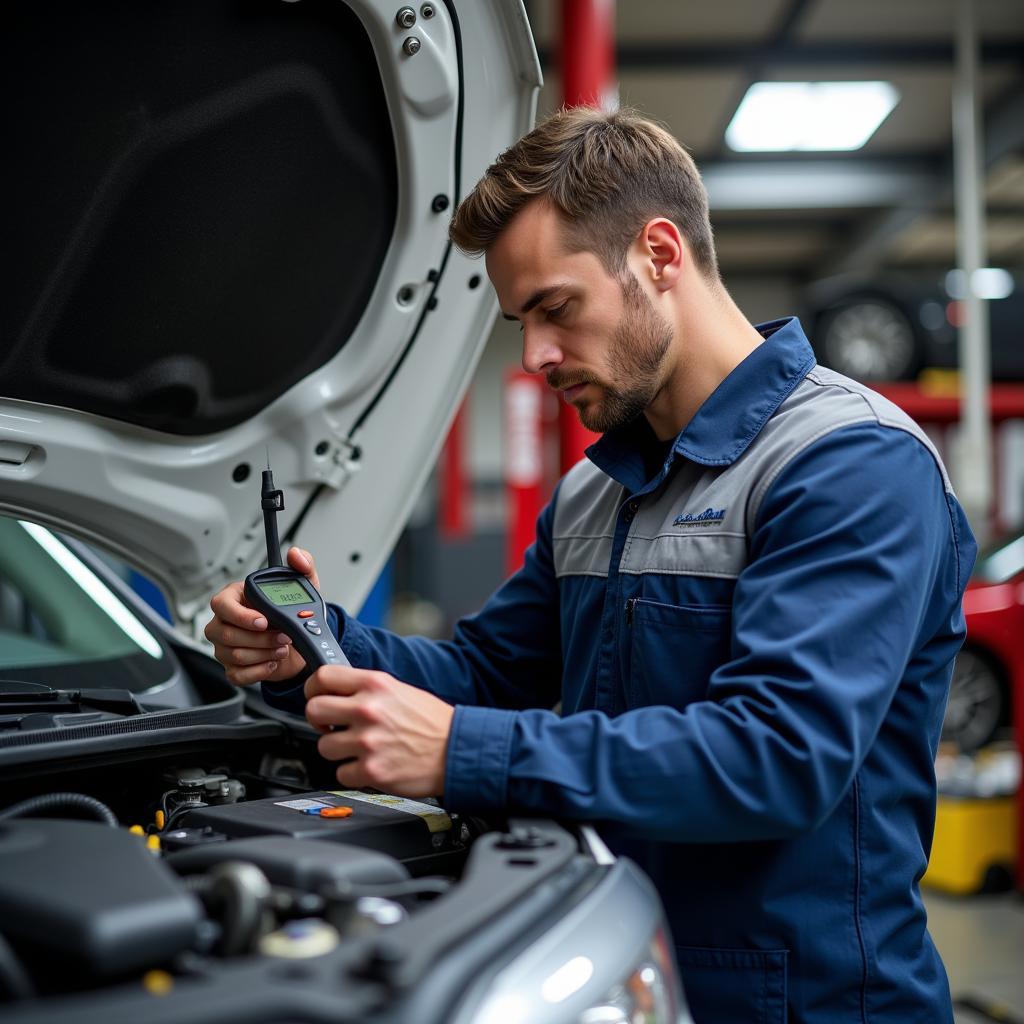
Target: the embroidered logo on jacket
pixel 709 515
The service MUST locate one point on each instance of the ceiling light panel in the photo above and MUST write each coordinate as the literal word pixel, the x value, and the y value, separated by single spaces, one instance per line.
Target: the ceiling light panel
pixel 809 116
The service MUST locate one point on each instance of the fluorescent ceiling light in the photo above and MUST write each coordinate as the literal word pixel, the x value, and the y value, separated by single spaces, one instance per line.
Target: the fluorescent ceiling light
pixel 781 116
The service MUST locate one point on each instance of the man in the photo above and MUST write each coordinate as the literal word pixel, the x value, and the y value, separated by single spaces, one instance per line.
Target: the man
pixel 747 600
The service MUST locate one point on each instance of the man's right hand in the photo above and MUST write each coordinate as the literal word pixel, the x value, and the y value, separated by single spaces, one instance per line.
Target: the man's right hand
pixel 242 643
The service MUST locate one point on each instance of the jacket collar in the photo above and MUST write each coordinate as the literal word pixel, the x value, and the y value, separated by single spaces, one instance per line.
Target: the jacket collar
pixel 730 417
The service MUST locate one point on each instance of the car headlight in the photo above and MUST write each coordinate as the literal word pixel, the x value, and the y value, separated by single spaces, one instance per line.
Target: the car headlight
pixel 648 995
pixel 607 961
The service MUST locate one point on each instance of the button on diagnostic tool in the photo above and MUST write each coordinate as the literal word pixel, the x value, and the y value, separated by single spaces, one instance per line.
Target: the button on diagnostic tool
pixel 286 597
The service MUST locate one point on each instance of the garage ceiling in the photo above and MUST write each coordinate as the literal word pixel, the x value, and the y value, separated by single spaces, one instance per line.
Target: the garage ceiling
pixel 688 63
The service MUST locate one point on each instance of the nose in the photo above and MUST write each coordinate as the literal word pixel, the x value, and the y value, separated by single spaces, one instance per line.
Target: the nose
pixel 540 351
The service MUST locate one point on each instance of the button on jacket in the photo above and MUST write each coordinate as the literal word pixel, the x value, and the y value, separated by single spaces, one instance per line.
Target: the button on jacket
pixel 752 649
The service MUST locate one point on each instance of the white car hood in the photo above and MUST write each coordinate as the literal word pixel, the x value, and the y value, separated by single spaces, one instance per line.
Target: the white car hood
pixel 160 467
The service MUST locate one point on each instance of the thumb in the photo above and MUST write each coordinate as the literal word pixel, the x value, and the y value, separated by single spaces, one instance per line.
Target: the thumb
pixel 302 561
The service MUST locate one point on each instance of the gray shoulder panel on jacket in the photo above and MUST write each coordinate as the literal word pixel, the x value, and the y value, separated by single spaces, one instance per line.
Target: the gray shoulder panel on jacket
pixel 581 533
pixel 700 521
pixel 824 402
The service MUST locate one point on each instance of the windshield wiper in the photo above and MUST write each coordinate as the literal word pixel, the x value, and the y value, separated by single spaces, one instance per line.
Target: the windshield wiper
pixel 18 697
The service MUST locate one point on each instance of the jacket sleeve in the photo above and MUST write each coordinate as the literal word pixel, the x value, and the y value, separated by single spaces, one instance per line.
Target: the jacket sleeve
pixel 508 655
pixel 854 559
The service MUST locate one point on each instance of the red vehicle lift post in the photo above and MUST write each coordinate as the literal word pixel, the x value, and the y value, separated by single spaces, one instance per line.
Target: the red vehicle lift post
pixel 587 54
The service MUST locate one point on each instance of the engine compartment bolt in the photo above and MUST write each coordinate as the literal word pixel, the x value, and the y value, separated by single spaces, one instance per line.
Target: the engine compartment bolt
pixel 406 17
pixel 411 46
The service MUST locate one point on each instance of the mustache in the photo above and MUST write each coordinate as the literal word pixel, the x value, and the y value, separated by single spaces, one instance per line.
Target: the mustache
pixel 561 379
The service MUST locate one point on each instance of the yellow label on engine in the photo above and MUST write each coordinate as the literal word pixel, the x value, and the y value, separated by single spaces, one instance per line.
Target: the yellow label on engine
pixel 436 818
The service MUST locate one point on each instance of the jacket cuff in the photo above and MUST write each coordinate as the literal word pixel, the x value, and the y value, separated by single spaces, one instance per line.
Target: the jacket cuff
pixel 349 633
pixel 288 694
pixel 479 752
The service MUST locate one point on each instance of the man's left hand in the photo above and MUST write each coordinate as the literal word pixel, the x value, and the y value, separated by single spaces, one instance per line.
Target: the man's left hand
pixel 391 736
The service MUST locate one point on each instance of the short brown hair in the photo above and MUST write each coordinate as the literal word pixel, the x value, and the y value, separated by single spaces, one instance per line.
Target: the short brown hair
pixel 606 173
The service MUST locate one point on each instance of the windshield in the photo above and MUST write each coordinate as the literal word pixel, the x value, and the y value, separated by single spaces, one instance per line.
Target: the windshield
pixel 1002 561
pixel 62 625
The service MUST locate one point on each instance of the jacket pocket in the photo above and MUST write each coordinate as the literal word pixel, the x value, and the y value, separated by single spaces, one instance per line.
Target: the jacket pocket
pixel 673 650
pixel 734 986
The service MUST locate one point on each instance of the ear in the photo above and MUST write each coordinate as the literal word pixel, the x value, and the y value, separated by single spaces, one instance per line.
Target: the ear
pixel 662 252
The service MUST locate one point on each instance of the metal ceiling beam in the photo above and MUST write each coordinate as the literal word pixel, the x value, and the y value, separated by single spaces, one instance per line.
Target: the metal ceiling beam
pixel 784 220
pixel 781 37
pixel 679 56
pixel 815 185
pixel 1003 134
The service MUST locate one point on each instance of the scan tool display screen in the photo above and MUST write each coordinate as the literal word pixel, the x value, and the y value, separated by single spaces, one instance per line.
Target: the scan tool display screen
pixel 286 592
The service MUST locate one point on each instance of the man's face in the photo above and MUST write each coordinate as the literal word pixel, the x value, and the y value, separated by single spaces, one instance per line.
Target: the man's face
pixel 596 338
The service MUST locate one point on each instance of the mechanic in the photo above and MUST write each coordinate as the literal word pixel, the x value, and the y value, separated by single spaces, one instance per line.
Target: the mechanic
pixel 746 598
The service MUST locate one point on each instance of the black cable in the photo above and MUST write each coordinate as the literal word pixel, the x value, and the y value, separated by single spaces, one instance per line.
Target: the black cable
pixel 179 812
pixel 14 980
pixel 429 304
pixel 43 806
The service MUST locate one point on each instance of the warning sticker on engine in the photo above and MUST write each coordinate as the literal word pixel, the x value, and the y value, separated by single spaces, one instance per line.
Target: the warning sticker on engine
pixel 437 819
pixel 300 805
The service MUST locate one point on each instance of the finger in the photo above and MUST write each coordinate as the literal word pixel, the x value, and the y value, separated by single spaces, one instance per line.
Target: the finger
pixel 353 775
pixel 337 680
pixel 253 674
pixel 228 605
pixel 330 712
pixel 302 561
pixel 243 657
pixel 286 668
pixel 339 745
pixel 232 636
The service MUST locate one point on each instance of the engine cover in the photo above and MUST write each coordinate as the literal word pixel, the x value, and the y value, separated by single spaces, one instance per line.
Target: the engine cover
pixel 92 894
pixel 417 834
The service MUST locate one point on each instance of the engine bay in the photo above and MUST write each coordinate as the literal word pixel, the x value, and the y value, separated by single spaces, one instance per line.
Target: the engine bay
pixel 156 884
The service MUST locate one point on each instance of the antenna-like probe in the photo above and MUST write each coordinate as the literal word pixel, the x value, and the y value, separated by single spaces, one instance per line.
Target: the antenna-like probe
pixel 272 502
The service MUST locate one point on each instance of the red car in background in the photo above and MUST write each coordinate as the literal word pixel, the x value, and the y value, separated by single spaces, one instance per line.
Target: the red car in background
pixel 988 682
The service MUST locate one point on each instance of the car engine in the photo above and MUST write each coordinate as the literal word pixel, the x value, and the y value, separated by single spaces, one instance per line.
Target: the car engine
pixel 161 876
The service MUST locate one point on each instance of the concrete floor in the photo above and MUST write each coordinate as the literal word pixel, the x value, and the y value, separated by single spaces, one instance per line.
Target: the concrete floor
pixel 981 940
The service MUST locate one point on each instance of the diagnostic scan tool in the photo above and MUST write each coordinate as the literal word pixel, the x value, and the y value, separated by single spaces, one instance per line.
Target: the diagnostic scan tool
pixel 287 598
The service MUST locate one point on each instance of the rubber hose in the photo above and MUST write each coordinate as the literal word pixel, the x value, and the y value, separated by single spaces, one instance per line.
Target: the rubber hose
pixel 239 897
pixel 43 806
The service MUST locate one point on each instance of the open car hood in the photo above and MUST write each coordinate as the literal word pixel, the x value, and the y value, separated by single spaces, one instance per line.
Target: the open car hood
pixel 227 235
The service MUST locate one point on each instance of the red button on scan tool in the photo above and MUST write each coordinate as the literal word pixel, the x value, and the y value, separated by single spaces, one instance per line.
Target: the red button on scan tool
pixel 307 614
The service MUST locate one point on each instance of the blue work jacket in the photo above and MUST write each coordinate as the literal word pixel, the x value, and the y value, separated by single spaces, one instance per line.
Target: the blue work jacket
pixel 752 643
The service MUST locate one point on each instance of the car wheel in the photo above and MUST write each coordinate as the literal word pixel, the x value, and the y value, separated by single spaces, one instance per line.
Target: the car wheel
pixel 976 702
pixel 869 339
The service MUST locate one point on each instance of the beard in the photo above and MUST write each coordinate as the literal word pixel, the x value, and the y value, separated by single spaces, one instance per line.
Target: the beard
pixel 636 353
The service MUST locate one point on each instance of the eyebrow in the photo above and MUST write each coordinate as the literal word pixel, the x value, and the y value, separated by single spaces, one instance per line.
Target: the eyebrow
pixel 536 298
